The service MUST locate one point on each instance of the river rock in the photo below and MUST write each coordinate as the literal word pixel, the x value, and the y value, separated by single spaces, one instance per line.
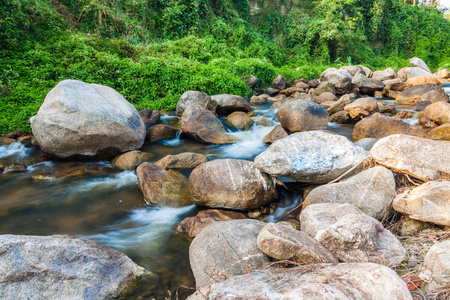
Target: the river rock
pixel 192 226
pixel 311 156
pixel 413 72
pixel 194 97
pixel 388 73
pixel 358 78
pixel 341 79
pixel 131 160
pixel 422 92
pixel 278 132
pixel 366 143
pixel 160 132
pixel 325 87
pixel 302 115
pixel 226 104
pixel 423 80
pixel 351 235
pixel 340 117
pixel 368 104
pixel 357 113
pixel 438 112
pixel 226 249
pixel 286 243
pixel 15 168
pixel 258 100
pixel 161 187
pixel 325 97
pixel 351 69
pixel 444 73
pixel 422 158
pixel 279 83
pixel 437 261
pixel 339 105
pixel 240 120
pixel 149 117
pixel 232 184
pixel 80 120
pixel 318 281
pixel 182 161
pixel 371 191
pixel 370 85
pixel 404 114
pixel 202 125
pixel 63 267
pixel 365 70
pixel 417 62
pixel 429 202
pixel 4 141
pixel 379 126
pixel 440 133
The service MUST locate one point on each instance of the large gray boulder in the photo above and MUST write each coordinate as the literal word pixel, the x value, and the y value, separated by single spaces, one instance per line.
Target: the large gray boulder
pixel 302 115
pixel 422 158
pixel 286 243
pixel 351 235
pixel 319 281
pixel 311 156
pixel 226 249
pixel 202 125
pixel 417 62
pixel 231 184
pixel 437 261
pixel 370 85
pixel 79 120
pixel 341 79
pixel 422 92
pixel 371 191
pixel 195 97
pixel 226 103
pixel 63 267
pixel 429 202
pixel 386 74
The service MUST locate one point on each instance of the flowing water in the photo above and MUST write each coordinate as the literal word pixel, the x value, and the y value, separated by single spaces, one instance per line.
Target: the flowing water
pixel 96 201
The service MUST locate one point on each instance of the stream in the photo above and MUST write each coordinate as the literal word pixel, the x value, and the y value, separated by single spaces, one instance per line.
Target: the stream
pixel 97 201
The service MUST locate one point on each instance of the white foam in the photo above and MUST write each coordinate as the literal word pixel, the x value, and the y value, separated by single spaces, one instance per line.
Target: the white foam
pixel 280 211
pixel 413 122
pixel 118 181
pixel 14 149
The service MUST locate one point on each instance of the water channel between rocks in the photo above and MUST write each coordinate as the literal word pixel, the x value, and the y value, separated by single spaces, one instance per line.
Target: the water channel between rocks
pixel 105 204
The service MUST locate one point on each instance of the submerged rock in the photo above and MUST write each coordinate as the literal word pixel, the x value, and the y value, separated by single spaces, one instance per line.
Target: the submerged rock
pixel 80 120
pixel 63 267
pixel 231 183
pixel 311 156
pixel 318 281
pixel 131 160
pixel 226 249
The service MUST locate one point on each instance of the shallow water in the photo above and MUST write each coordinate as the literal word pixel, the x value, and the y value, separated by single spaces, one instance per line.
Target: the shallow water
pixel 96 201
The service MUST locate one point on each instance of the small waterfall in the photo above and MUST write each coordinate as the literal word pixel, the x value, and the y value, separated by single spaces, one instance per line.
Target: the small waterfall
pixel 15 149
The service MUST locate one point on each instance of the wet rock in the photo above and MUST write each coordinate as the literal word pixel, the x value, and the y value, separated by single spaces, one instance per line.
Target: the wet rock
pixel 370 85
pixel 351 235
pixel 201 125
pixel 379 126
pixel 182 161
pixel 444 73
pixel 231 184
pixel 226 249
pixel 438 112
pixel 194 97
pixel 417 62
pixel 264 122
pixel 318 281
pixel 258 100
pixel 325 87
pixel 339 105
pixel 387 109
pixel 366 143
pixel 423 80
pixel 79 120
pixel 15 168
pixel 341 79
pixel 292 90
pixel 422 92
pixel 240 120
pixel 368 104
pixel 340 117
pixel 131 160
pixel 420 105
pixel 286 243
pixel 161 187
pixel 404 114
pixel 325 97
pixel 278 132
pixel 440 133
pixel 160 132
pixel 311 156
pixel 302 115
pixel 277 105
pixel 422 158
pixel 149 117
pixel 64 267
pixel 388 73
pixel 226 104
pixel 371 191
pixel 429 202
pixel 192 226
pixel 4 141
pixel 279 83
pixel 437 261
pixel 43 177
